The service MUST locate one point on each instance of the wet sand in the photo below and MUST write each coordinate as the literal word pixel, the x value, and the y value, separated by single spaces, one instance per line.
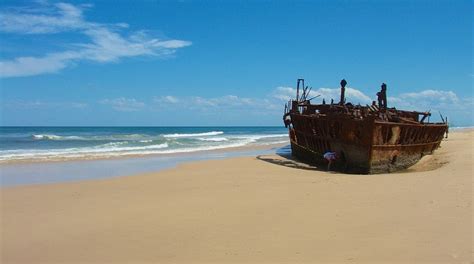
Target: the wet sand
pixel 264 209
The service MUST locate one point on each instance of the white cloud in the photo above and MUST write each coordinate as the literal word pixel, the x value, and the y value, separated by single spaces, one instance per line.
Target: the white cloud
pixel 213 104
pixel 124 104
pixel 166 99
pixel 284 93
pixel 28 66
pixel 448 96
pixel 434 100
pixel 107 42
pixel 352 95
pixel 458 109
pixel 39 104
pixel 447 102
pixel 223 101
pixel 46 19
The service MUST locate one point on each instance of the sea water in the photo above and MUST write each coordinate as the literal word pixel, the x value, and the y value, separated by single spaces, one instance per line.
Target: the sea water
pixel 100 152
pixel 69 143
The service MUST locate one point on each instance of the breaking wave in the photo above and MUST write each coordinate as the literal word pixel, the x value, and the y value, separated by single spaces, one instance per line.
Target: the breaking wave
pixel 214 139
pixel 55 137
pixel 93 137
pixel 105 150
pixel 96 143
pixel 212 133
pixel 258 137
pixel 143 138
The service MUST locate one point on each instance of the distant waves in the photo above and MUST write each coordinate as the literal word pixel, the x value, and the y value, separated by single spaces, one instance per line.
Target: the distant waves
pixel 93 143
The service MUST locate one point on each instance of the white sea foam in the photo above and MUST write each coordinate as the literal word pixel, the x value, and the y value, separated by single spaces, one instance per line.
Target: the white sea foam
pixel 129 136
pixel 96 152
pixel 214 139
pixel 112 144
pixel 126 144
pixel 258 137
pixel 205 136
pixel 212 133
pixel 157 146
pixel 102 150
pixel 461 128
pixel 204 148
pixel 54 137
pixel 105 137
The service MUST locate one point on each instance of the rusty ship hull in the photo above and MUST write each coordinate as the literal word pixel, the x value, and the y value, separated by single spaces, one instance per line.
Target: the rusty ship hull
pixel 366 139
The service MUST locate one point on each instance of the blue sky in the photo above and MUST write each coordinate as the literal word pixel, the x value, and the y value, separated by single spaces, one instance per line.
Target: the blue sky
pixel 165 63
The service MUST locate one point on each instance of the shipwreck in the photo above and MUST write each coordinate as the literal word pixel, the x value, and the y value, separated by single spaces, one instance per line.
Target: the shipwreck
pixel 365 139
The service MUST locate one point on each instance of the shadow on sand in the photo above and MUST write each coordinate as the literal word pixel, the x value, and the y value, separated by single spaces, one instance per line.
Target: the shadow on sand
pixel 284 158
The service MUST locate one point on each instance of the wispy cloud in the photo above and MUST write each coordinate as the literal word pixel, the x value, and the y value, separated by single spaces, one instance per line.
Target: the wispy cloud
pixel 447 102
pixel 437 100
pixel 446 96
pixel 434 100
pixel 43 19
pixel 39 104
pixel 29 66
pixel 124 104
pixel 202 104
pixel 274 101
pixel 227 101
pixel 168 99
pixel 284 93
pixel 353 95
pixel 107 42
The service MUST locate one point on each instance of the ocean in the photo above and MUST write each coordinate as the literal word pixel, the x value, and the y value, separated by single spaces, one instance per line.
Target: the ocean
pixel 78 143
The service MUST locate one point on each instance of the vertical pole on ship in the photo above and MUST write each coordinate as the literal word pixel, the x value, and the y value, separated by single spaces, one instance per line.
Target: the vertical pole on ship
pixel 343 91
pixel 298 89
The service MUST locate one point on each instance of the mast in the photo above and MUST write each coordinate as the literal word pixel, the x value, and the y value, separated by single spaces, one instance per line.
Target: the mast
pixel 298 89
pixel 343 91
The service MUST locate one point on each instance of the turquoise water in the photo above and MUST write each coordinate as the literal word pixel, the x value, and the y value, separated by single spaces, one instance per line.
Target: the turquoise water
pixel 70 143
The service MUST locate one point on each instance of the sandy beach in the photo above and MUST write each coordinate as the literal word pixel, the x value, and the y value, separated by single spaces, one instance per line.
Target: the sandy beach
pixel 264 209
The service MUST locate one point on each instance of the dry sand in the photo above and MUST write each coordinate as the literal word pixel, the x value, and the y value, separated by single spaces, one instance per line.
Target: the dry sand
pixel 260 210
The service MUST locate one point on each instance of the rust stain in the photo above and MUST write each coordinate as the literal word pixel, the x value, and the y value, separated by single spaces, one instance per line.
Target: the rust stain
pixel 367 139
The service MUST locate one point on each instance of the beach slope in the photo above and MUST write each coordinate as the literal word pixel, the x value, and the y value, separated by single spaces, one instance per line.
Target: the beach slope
pixel 262 209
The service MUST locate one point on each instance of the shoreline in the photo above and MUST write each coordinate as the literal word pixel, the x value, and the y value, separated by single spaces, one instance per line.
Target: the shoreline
pixel 53 144
pixel 33 173
pixel 128 156
pixel 81 169
pixel 252 210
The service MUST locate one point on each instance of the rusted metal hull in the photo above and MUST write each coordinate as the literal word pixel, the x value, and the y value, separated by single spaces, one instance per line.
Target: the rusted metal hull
pixel 398 146
pixel 363 145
